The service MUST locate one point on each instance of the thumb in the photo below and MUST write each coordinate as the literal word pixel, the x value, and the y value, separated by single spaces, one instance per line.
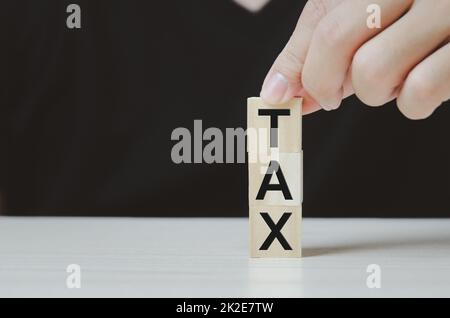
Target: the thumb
pixel 283 81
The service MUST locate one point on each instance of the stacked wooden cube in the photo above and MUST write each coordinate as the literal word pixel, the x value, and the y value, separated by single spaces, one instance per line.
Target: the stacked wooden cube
pixel 275 178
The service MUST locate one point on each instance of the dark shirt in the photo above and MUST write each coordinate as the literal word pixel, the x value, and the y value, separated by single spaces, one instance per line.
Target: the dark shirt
pixel 87 116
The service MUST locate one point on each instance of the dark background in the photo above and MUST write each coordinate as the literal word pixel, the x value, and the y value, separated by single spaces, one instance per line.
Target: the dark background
pixel 86 116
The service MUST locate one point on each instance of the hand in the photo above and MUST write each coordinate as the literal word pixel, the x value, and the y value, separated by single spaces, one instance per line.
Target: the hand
pixel 333 54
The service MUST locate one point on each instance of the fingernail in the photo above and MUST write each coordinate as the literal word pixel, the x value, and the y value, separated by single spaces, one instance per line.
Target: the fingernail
pixel 329 108
pixel 332 105
pixel 274 88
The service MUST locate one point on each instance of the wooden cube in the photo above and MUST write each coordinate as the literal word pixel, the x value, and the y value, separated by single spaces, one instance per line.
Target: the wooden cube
pixel 288 118
pixel 275 231
pixel 277 183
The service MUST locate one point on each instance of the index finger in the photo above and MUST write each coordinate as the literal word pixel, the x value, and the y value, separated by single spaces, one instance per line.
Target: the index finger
pixel 283 81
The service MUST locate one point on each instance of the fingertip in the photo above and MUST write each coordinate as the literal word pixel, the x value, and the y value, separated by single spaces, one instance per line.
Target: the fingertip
pixel 275 88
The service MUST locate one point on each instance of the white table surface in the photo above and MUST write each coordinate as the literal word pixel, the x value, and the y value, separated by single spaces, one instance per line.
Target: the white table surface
pixel 209 258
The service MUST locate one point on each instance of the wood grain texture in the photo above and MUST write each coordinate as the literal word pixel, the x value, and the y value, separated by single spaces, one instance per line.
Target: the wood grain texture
pixel 209 258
